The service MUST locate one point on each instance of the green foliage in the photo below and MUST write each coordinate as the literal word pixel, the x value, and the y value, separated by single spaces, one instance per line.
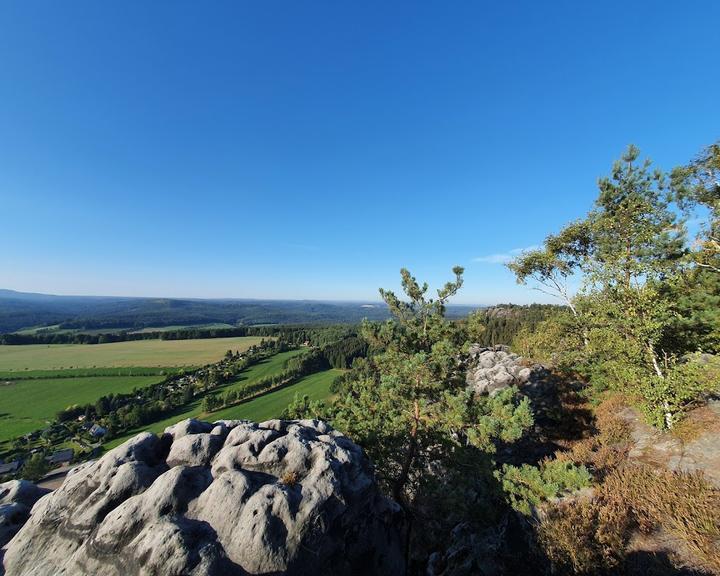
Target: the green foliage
pixel 696 325
pixel 408 406
pixel 685 385
pixel 341 354
pixel 527 486
pixel 500 324
pixel 210 403
pixel 624 330
pixel 556 341
pixel 35 467
pixel 302 407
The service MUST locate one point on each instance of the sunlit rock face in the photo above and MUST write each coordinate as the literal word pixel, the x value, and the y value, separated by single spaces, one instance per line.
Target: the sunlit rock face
pixel 233 497
pixel 496 368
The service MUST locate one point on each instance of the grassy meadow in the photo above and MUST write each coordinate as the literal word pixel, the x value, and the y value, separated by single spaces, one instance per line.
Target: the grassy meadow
pixel 27 405
pixel 267 406
pixel 145 353
pixel 264 407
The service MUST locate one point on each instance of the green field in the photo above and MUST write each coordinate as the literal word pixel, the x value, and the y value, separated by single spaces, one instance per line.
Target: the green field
pixel 27 405
pixel 150 353
pixel 316 386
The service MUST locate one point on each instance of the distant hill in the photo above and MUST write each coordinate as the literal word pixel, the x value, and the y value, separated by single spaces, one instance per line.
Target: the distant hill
pixel 21 310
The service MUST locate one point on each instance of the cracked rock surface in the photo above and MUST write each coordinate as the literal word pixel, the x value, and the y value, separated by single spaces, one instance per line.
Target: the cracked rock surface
pixel 233 497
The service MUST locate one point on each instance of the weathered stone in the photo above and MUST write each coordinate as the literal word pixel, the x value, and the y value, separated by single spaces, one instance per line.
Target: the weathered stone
pixel 280 497
pixel 17 497
pixel 493 369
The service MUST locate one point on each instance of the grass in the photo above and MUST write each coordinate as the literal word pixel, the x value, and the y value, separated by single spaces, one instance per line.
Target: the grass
pixel 26 405
pixel 55 329
pixel 147 353
pixel 267 367
pixel 270 405
pixel 316 386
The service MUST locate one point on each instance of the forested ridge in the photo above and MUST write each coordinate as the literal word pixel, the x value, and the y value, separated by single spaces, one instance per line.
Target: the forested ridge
pixel 50 314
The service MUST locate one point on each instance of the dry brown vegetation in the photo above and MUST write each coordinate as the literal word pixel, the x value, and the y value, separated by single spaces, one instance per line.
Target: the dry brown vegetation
pixel 698 422
pixel 290 478
pixel 590 536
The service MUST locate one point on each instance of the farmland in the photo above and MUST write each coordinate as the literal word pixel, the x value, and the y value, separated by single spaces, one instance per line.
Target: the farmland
pixel 270 405
pixel 27 405
pixel 316 386
pixel 146 353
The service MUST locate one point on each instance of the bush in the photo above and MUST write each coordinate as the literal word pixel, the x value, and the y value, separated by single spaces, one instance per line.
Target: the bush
pixel 36 467
pixel 590 537
pixel 303 408
pixel 527 486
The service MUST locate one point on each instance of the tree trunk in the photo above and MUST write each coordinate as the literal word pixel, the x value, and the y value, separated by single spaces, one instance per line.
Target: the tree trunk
pixel 402 479
pixel 658 371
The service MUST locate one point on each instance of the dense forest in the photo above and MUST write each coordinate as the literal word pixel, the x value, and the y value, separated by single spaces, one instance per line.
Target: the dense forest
pixel 84 313
pixel 501 324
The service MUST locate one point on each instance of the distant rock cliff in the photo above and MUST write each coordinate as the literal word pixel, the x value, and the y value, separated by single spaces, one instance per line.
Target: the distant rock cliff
pixel 280 497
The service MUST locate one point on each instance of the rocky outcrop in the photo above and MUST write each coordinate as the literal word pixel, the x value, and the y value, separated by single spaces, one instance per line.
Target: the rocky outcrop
pixel 17 497
pixel 496 368
pixel 661 449
pixel 280 497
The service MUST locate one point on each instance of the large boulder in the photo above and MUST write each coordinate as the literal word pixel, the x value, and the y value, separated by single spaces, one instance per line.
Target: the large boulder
pixel 236 497
pixel 17 498
pixel 491 369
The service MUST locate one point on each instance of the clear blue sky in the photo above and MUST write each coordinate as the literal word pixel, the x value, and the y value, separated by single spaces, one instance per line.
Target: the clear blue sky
pixel 310 149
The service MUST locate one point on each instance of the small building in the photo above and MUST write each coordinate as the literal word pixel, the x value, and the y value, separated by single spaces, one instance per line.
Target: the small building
pixel 97 431
pixel 60 457
pixel 10 467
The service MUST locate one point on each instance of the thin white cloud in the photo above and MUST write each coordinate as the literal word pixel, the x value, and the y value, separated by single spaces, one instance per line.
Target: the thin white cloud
pixel 505 257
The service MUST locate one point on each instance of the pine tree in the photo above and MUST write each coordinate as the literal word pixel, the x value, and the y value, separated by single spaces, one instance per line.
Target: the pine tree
pixel 408 405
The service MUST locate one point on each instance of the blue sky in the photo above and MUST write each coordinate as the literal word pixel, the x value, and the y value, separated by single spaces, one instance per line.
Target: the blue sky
pixel 311 149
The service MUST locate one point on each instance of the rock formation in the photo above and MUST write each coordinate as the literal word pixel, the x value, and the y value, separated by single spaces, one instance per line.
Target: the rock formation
pixel 495 368
pixel 17 497
pixel 280 497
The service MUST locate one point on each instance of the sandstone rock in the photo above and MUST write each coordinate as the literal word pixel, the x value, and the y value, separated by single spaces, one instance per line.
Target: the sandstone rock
pixel 17 497
pixel 280 497
pixel 189 426
pixel 496 368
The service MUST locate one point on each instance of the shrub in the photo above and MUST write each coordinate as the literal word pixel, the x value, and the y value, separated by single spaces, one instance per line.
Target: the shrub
pixel 583 537
pixel 591 536
pixel 527 486
pixel 290 478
